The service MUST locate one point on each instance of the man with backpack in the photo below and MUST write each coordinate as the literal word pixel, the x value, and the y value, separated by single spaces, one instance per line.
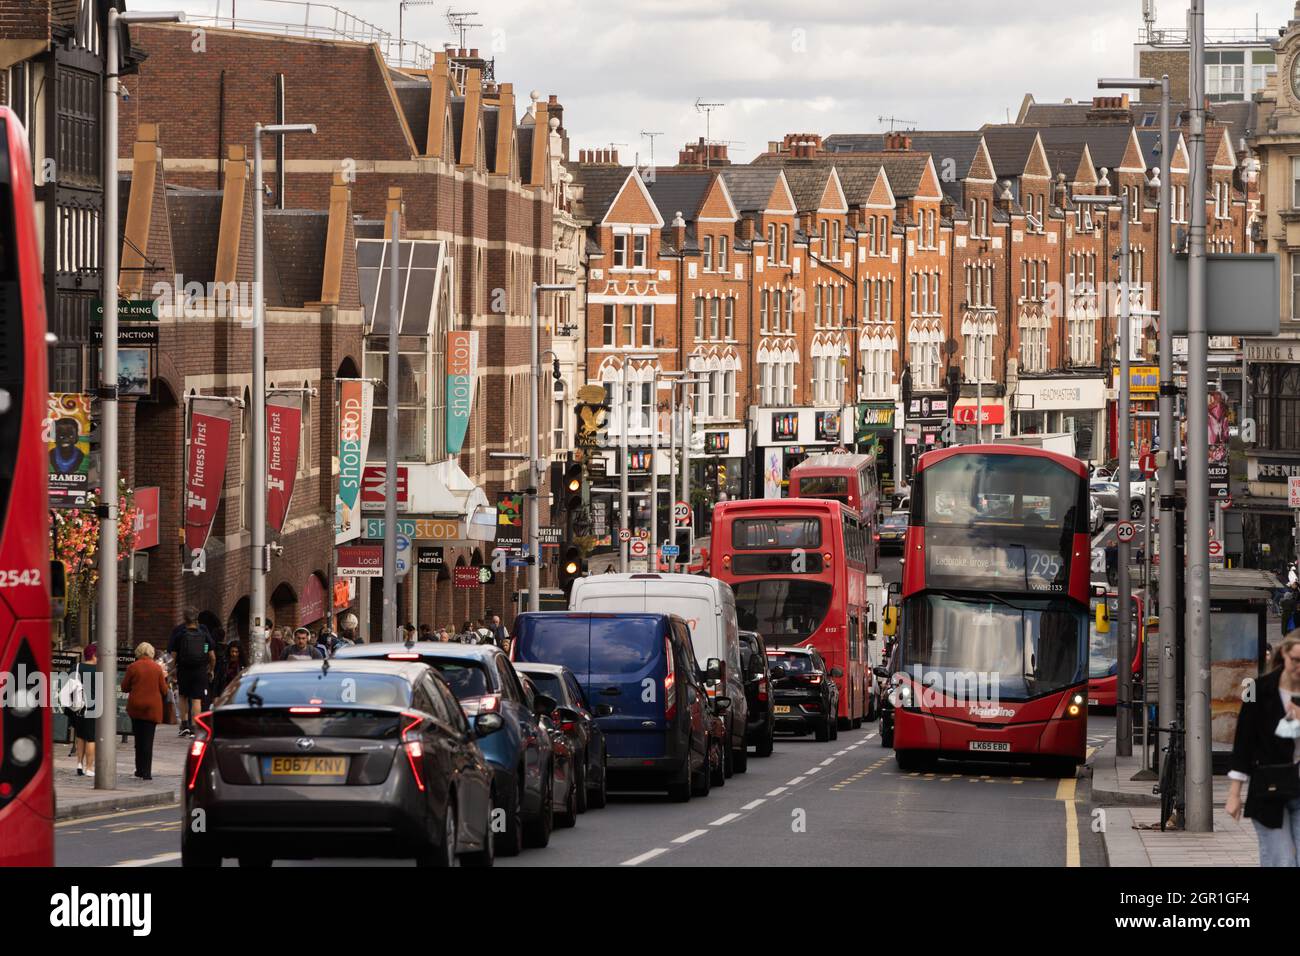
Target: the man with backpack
pixel 191 648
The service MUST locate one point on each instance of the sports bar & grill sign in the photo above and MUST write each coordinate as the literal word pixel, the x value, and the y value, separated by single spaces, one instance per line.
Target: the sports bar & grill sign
pixel 205 474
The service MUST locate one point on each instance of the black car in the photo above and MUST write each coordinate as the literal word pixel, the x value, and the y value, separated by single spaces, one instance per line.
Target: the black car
pixel 893 532
pixel 805 697
pixel 576 719
pixel 761 725
pixel 564 782
pixel 518 750
pixel 304 759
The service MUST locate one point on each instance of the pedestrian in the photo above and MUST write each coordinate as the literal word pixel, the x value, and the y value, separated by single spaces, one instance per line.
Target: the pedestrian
pixel 86 716
pixel 336 642
pixel 191 646
pixel 443 635
pixel 467 634
pixel 1288 608
pixel 229 665
pixel 426 632
pixel 145 685
pixel 497 629
pixel 1292 576
pixel 482 633
pixel 349 628
pixel 275 643
pixel 302 649
pixel 1266 752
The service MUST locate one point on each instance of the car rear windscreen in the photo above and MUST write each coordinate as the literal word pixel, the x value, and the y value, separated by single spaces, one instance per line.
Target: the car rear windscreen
pixel 624 645
pixel 340 722
pixel 548 684
pixel 321 687
pixel 465 678
pixel 554 640
pixel 793 663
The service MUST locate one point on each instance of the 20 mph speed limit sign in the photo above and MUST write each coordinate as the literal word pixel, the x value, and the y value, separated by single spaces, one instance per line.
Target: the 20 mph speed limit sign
pixel 682 513
pixel 1126 531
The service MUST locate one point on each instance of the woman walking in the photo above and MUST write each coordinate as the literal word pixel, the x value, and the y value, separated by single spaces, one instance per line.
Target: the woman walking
pixel 84 726
pixel 145 685
pixel 1265 753
pixel 228 667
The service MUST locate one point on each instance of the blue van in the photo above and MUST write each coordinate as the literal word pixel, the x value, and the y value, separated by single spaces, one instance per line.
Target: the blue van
pixel 639 674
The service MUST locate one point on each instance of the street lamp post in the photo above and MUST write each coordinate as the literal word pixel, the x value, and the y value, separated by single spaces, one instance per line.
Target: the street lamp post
pixel 106 608
pixel 260 563
pixel 534 455
pixel 1123 644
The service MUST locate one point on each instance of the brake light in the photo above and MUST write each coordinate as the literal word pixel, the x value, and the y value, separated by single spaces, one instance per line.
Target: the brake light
pixel 762 688
pixel 199 746
pixel 414 752
pixel 403 657
pixel 875 537
pixel 304 710
pixel 487 704
pixel 813 678
pixel 670 681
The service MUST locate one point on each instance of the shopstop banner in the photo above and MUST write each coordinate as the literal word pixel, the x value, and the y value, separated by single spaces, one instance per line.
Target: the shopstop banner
pixel 356 403
pixel 283 433
pixel 205 475
pixel 462 369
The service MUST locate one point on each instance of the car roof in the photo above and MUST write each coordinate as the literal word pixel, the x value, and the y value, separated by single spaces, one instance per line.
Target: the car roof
pixel 410 670
pixel 807 651
pixel 532 668
pixel 442 649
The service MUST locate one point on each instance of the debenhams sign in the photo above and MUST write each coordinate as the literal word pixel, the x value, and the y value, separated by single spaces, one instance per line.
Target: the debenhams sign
pixel 1273 350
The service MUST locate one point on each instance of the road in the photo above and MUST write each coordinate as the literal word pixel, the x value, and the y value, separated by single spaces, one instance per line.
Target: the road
pixel 840 803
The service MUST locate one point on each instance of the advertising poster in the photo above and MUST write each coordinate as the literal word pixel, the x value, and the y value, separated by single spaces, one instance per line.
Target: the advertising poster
pixel 510 520
pixel 772 473
pixel 68 441
pixel 205 475
pixel 356 404
pixel 828 426
pixel 462 374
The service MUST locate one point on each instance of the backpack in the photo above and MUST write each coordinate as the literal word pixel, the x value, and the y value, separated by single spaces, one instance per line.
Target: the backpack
pixel 72 695
pixel 192 648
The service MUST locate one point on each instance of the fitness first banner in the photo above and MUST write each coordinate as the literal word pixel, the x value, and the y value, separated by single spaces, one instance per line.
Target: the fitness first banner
pixel 205 475
pixel 283 432
pixel 356 404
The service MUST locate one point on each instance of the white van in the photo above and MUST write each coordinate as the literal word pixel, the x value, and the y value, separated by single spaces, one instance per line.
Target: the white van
pixel 706 604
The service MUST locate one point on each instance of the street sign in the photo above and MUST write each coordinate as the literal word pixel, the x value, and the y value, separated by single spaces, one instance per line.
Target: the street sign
pixel 1215 549
pixel 642 532
pixel 429 559
pixel 1126 531
pixel 625 534
pixel 639 548
pixel 548 535
pixel 671 550
pixel 1148 464
pixel 403 554
pixel 1293 492
pixel 682 513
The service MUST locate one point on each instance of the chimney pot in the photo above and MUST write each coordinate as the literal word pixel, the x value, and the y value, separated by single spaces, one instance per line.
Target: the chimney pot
pixel 474 53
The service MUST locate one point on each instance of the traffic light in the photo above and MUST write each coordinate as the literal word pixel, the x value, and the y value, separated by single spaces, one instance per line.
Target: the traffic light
pixel 722 477
pixel 571 489
pixel 572 566
pixel 953 387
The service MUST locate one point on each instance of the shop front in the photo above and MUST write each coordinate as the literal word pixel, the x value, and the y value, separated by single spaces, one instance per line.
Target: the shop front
pixel 874 434
pixel 783 437
pixel 1044 406
pixel 978 421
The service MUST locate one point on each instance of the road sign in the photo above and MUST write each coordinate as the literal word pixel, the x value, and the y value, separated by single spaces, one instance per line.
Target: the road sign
pixel 1215 549
pixel 625 534
pixel 1126 531
pixel 642 532
pixel 1293 492
pixel 671 550
pixel 1226 502
pixel 682 513
pixel 403 554
pixel 1148 464
pixel 639 548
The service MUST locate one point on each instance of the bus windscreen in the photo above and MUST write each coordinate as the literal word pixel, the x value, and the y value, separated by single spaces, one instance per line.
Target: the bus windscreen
pixel 757 534
pixel 824 486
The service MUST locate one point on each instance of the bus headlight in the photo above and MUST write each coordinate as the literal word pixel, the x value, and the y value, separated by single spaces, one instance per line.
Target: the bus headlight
pixel 1076 705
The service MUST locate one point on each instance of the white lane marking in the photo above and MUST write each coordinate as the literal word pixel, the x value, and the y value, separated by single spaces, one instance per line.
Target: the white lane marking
pixel 812 770
pixel 866 738
pixel 151 861
pixel 688 837
pixel 649 855
pixel 841 753
pixel 828 761
pixel 724 819
pixel 796 780
pixel 753 803
pixel 777 792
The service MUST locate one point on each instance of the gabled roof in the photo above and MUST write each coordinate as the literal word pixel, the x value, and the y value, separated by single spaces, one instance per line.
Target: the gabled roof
pixel 680 190
pixel 751 187
pixel 1010 148
pixel 808 183
pixel 295 239
pixel 959 146
pixel 600 184
pixel 1107 144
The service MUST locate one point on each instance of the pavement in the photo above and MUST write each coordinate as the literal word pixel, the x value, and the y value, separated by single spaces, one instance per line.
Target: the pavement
pixel 76 797
pixel 1129 821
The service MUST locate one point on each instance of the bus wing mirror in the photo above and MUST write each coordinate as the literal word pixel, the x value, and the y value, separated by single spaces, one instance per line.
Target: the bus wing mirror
pixel 1103 618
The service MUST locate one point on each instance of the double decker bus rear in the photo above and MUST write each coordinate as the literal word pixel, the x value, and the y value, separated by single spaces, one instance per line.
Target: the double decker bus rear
pixel 26 768
pixel 798 570
pixel 994 647
pixel 849 479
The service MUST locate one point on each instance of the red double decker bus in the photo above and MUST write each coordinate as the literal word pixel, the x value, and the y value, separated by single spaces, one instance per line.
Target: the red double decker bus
pixel 993 658
pixel 798 567
pixel 846 478
pixel 26 767
pixel 1103 648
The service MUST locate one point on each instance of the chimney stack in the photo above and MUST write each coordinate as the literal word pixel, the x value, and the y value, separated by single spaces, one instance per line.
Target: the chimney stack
pixel 897 142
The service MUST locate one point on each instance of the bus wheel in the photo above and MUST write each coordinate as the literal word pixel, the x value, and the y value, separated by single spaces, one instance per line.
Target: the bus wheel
pixel 911 761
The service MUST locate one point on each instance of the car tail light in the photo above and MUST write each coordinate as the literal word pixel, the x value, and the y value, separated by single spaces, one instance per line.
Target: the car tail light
pixel 403 657
pixel 762 689
pixel 414 749
pixel 813 678
pixel 875 537
pixel 670 681
pixel 487 704
pixel 304 710
pixel 199 746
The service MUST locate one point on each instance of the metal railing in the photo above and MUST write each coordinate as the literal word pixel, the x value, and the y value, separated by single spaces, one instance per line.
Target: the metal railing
pixel 1178 36
pixel 324 21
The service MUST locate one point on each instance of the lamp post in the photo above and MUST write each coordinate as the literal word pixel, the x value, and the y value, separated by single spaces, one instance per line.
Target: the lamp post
pixel 260 563
pixel 1167 586
pixel 106 607
pixel 685 406
pixel 534 455
pixel 1123 645
pixel 670 377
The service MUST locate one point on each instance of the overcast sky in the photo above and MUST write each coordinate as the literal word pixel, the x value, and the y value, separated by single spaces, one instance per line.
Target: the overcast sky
pixel 621 68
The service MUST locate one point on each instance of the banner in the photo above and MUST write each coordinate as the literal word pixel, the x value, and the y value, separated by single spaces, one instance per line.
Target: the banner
pixel 68 440
pixel 146 502
pixel 205 475
pixel 462 369
pixel 510 520
pixel 283 435
pixel 356 403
